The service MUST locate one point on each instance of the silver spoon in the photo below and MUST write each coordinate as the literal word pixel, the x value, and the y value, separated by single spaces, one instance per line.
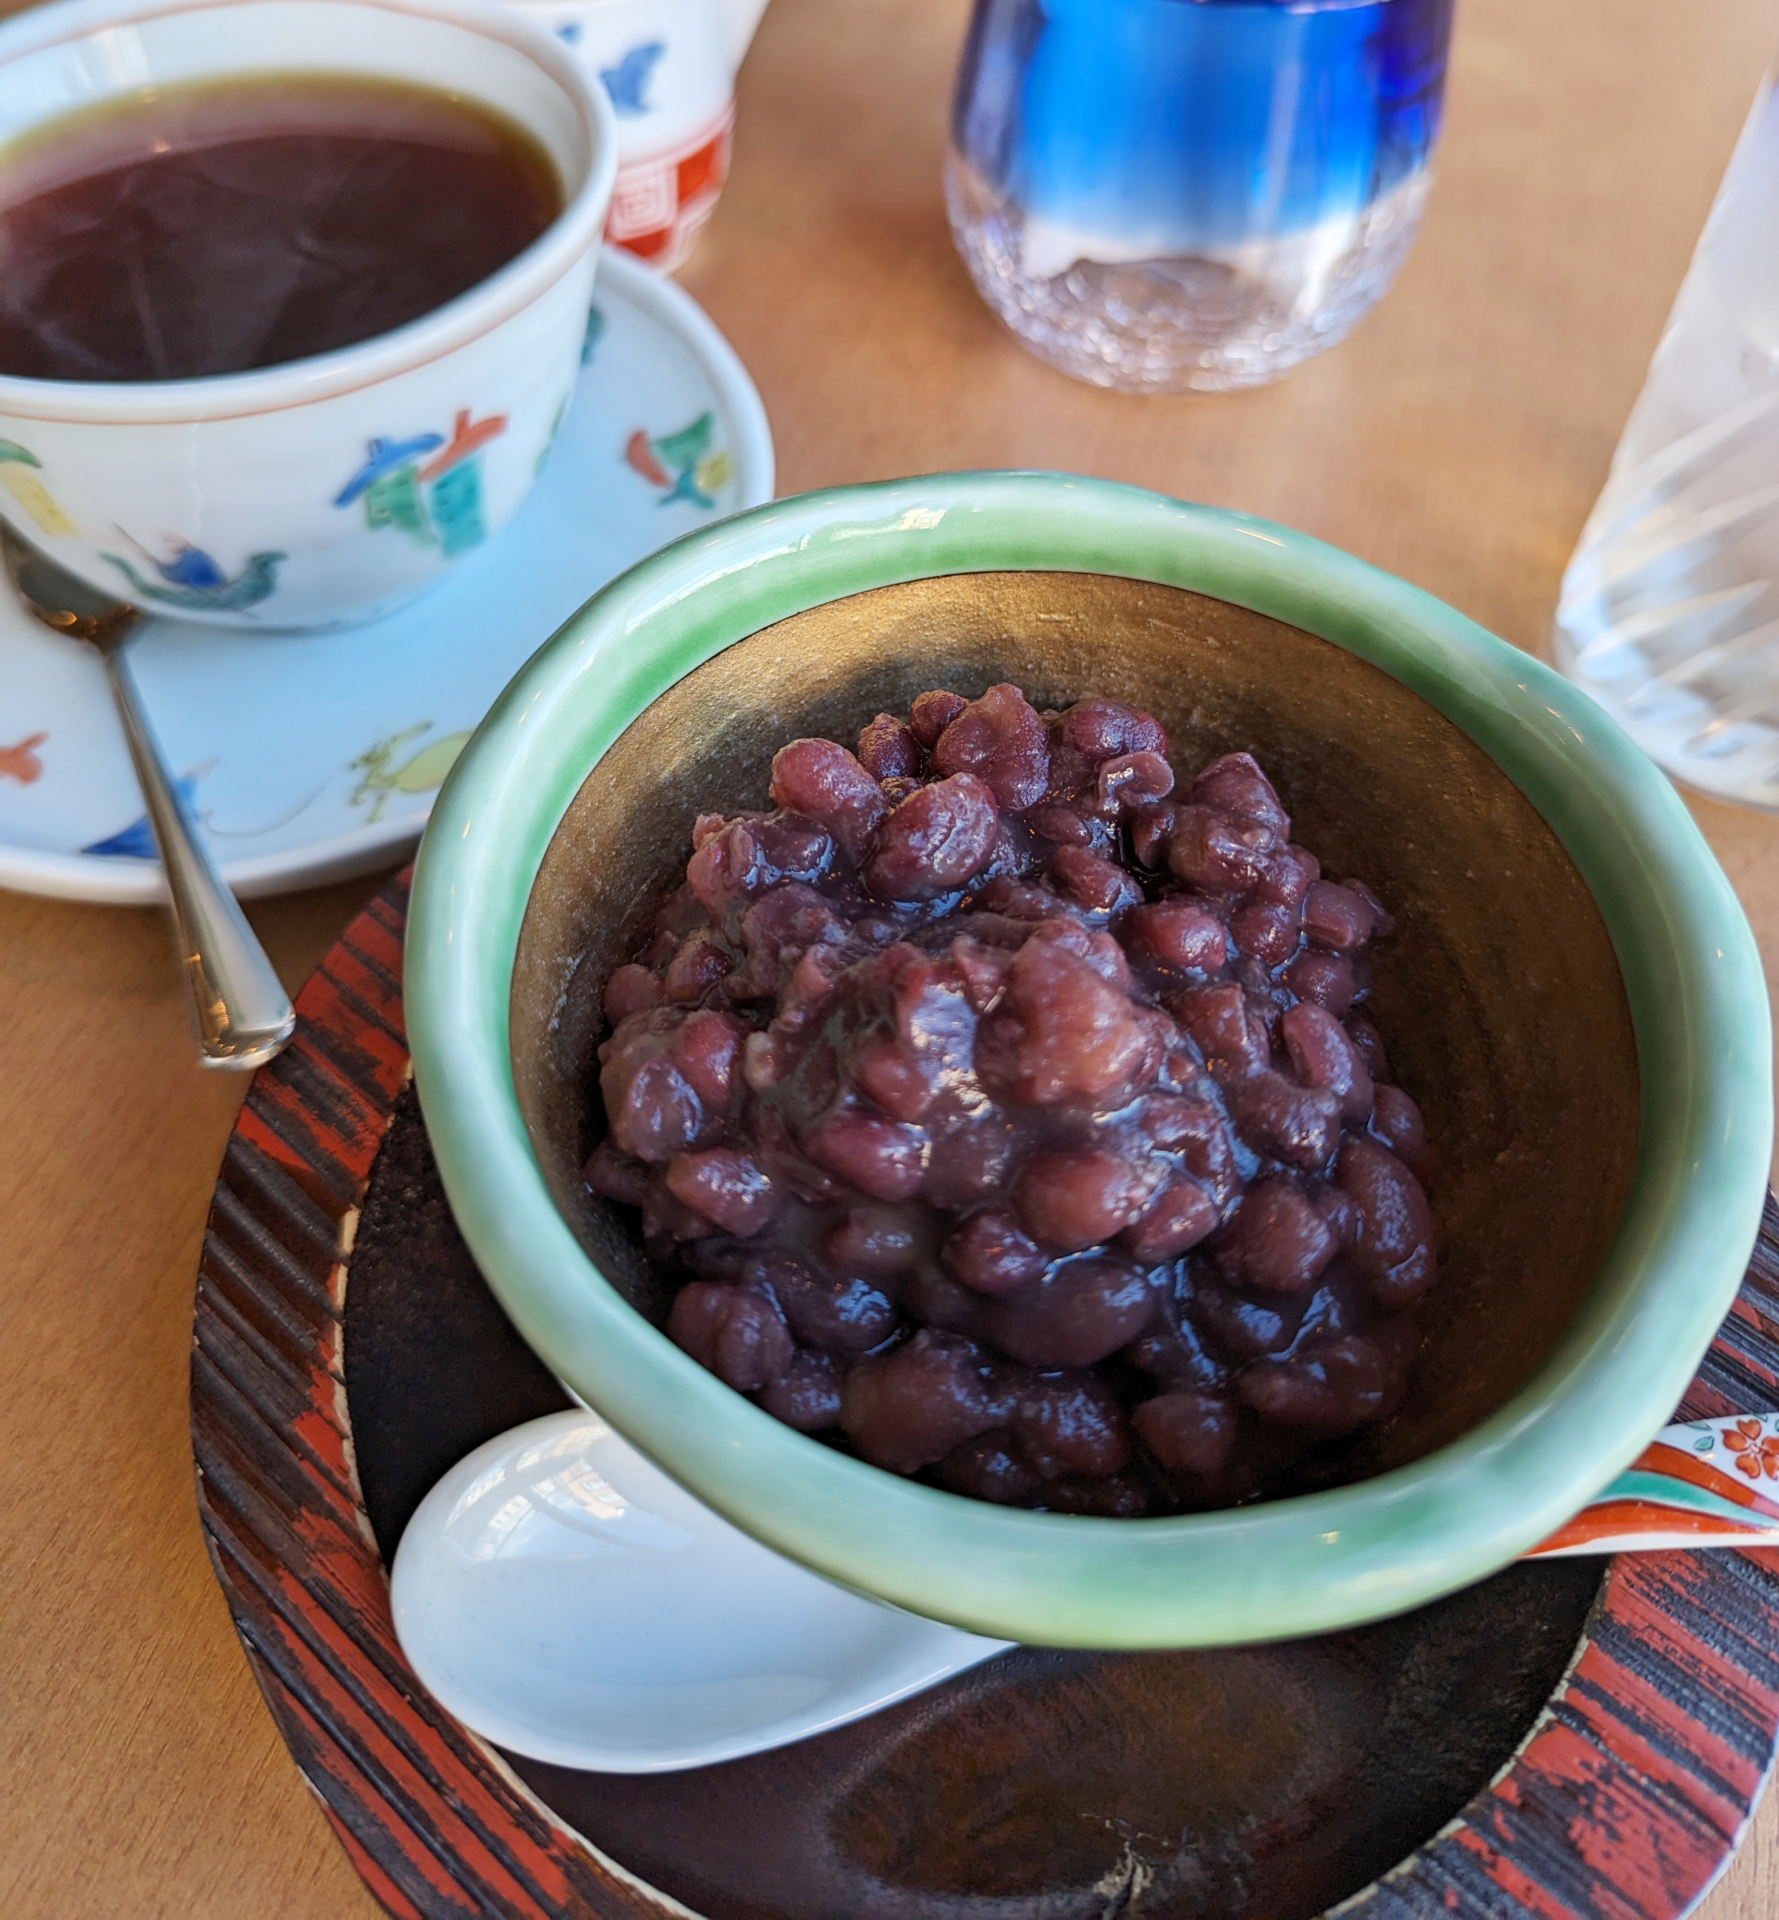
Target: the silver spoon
pixel 244 1014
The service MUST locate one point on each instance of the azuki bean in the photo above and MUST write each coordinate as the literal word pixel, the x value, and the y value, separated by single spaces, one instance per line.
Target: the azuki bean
pixel 1215 853
pixel 1001 740
pixel 1192 1434
pixel 1335 917
pixel 1267 932
pixel 632 989
pixel 1075 1200
pixel 1072 1423
pixel 1235 785
pixel 1396 1121
pixel 1177 933
pixel 726 1186
pixel 821 779
pixel 1133 780
pixel 935 841
pixel 872 1240
pixel 840 1316
pixel 1081 1311
pixel 1298 1125
pixel 907 1409
pixel 807 1396
pixel 1244 1326
pixel 976 1135
pixel 1326 978
pixel 1395 1245
pixel 1174 1351
pixel 1323 1056
pixel 1095 884
pixel 888 750
pixel 1327 1387
pixel 880 1157
pixel 1278 1241
pixel 932 713
pixel 736 1332
pixel 616 1175
pixel 1080 1037
pixel 1180 1216
pixel 990 1468
pixel 991 1253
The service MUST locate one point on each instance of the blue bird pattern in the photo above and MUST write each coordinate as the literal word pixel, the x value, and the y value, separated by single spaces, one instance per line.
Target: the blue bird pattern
pixel 194 582
pixel 137 841
pixel 628 80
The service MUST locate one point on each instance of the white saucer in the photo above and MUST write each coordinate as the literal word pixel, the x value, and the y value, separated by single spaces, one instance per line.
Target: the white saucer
pixel 310 757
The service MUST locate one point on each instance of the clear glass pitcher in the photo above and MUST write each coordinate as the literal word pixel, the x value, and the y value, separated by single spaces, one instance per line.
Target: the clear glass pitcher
pixel 1669 614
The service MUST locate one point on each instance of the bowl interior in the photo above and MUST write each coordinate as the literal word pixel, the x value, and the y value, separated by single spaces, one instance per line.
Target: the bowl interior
pixel 1499 998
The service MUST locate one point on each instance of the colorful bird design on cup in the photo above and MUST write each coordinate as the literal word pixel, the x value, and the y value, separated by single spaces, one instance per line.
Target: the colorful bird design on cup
pixel 193 582
pixel 187 579
pixel 628 81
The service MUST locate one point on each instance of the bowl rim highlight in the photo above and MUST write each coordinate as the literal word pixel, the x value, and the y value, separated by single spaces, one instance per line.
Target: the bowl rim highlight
pixel 1310 1564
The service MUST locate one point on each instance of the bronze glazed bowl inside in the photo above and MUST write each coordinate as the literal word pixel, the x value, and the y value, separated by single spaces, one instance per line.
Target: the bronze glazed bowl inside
pixel 1502 1000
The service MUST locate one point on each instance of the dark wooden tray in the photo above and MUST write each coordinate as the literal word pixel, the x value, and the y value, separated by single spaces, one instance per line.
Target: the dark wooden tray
pixel 1569 1738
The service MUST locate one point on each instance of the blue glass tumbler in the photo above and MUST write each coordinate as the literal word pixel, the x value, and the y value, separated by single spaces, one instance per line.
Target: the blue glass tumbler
pixel 1168 194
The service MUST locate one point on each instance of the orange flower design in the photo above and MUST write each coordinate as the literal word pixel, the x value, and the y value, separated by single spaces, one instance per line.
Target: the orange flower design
pixel 1754 1454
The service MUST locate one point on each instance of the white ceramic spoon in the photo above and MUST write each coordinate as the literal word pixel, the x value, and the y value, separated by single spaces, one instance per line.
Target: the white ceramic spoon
pixel 568 1600
pixel 564 1598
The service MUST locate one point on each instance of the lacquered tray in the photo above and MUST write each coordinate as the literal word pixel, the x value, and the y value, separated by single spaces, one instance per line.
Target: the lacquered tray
pixel 1571 1738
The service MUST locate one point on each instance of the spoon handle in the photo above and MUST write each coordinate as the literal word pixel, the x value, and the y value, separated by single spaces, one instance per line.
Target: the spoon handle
pixel 1707 1483
pixel 244 1014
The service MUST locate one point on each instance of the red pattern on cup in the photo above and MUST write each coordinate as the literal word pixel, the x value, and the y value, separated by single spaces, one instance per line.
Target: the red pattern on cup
pixel 661 202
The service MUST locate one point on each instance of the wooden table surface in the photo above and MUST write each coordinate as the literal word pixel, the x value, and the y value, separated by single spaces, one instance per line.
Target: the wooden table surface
pixel 1458 439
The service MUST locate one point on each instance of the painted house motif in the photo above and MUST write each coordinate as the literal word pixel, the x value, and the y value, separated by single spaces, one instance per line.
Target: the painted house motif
pixel 427 486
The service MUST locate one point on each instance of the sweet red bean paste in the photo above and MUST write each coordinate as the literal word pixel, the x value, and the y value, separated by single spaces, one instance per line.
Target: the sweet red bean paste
pixel 1007 1117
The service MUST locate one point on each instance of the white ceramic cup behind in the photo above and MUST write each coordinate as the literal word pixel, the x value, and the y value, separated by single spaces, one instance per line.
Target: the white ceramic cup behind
pixel 326 491
pixel 668 67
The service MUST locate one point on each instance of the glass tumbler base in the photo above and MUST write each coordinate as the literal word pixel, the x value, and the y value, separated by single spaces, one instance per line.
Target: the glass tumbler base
pixel 1185 323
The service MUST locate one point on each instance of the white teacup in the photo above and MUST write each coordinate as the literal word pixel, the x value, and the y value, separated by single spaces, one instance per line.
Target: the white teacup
pixel 325 491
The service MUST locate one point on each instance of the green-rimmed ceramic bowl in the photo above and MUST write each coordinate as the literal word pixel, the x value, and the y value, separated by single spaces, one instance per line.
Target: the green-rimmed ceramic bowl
pixel 1602 1129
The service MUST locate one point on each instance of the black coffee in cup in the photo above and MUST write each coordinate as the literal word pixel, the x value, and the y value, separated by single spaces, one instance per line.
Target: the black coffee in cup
pixel 211 228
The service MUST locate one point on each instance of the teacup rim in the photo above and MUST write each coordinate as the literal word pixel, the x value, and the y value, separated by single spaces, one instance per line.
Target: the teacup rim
pixel 519 283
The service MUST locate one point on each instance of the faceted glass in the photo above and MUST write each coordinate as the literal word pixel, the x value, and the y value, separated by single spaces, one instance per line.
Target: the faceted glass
pixel 1168 194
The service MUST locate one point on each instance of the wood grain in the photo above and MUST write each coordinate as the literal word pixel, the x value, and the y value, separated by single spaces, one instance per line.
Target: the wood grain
pixel 1549 1741
pixel 1458 439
